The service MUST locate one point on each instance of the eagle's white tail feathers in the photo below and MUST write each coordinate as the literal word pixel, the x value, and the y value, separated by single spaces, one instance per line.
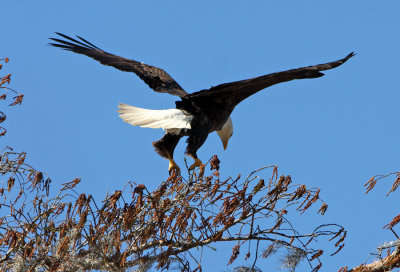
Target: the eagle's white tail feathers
pixel 171 120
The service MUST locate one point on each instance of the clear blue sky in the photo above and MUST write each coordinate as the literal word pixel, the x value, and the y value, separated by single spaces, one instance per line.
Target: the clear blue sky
pixel 333 132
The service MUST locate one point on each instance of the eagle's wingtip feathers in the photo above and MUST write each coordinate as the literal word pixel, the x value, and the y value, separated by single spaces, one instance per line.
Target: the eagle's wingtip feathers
pixel 352 54
pixel 73 44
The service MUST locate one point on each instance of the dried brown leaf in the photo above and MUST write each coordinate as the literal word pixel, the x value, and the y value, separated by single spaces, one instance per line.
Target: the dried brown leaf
pixel 17 100
pixel 370 184
pixel 71 184
pixel 235 254
pixel 316 255
pixel 323 208
pixel 393 223
pixel 214 163
pixel 395 184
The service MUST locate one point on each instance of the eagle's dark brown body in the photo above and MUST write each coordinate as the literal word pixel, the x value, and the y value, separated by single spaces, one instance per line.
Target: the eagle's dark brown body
pixel 209 108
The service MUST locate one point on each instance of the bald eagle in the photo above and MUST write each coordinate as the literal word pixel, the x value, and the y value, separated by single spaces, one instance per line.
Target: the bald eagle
pixel 196 114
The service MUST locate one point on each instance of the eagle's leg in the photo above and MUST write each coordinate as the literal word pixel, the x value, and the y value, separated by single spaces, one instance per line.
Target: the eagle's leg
pixel 165 148
pixel 197 163
pixel 195 141
pixel 173 166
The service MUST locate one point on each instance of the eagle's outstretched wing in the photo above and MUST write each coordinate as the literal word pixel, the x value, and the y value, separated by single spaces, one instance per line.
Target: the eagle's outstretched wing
pixel 156 78
pixel 233 93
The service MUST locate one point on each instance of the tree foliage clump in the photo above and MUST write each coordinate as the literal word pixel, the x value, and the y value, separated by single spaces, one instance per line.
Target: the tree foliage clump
pixel 134 227
pixel 169 227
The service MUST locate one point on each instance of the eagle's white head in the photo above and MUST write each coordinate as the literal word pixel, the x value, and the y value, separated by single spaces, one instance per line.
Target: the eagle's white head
pixel 226 132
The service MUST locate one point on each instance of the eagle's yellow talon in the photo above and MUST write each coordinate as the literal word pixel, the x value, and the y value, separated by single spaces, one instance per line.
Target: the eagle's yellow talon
pixel 197 163
pixel 173 166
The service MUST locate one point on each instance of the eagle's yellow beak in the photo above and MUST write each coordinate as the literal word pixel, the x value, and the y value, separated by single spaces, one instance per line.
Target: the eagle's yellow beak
pixel 225 143
pixel 226 133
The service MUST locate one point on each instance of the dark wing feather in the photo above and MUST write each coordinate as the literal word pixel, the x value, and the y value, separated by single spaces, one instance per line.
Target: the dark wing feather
pixel 155 77
pixel 231 94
